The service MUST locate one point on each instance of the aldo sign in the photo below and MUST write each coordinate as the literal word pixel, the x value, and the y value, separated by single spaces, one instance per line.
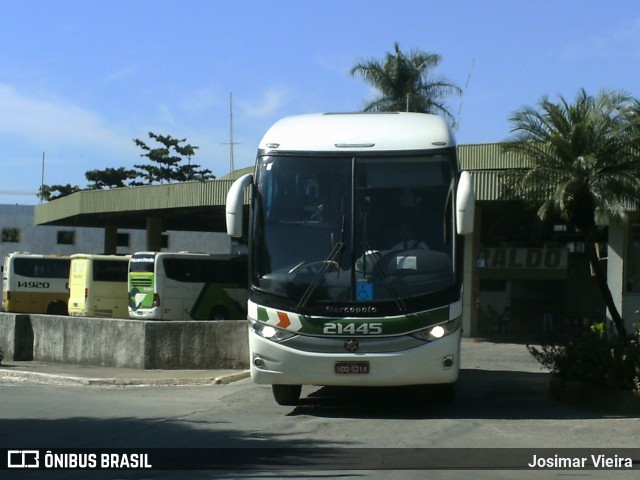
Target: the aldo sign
pixel 523 258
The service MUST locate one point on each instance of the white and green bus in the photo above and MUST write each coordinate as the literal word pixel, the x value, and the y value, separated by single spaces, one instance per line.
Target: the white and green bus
pixel 187 286
pixel 355 233
pixel 35 283
pixel 98 286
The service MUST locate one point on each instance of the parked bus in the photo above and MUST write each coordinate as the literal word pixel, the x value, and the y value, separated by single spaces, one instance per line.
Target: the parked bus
pixel 335 297
pixel 187 286
pixel 34 283
pixel 98 286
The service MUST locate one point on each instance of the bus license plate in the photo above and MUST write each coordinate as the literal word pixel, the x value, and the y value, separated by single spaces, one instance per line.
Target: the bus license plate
pixel 352 367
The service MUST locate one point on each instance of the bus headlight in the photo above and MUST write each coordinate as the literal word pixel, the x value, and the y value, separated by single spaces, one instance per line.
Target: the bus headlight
pixel 269 332
pixel 436 332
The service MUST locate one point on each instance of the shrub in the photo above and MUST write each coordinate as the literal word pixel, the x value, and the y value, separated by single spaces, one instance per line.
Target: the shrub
pixel 594 357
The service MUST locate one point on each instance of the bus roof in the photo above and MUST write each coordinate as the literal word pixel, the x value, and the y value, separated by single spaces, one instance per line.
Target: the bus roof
pixel 96 256
pixel 37 255
pixel 208 256
pixel 334 132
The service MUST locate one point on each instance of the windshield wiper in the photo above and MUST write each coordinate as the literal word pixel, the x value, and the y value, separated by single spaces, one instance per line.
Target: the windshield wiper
pixel 337 249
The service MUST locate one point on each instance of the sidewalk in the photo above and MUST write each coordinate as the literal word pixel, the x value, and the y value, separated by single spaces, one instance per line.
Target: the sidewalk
pixel 66 374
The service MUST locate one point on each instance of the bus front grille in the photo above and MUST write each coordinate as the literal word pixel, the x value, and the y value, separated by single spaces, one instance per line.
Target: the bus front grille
pixel 141 282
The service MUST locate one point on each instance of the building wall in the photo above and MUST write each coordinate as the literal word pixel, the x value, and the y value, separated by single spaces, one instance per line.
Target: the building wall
pixel 518 269
pixel 45 239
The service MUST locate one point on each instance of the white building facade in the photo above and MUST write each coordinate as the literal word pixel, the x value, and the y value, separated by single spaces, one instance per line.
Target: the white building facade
pixel 18 233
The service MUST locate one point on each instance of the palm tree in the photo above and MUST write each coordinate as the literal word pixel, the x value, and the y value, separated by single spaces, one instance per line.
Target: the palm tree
pixel 405 83
pixel 584 164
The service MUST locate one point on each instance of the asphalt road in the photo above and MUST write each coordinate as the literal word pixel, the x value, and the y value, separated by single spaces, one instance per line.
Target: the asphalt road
pixel 502 402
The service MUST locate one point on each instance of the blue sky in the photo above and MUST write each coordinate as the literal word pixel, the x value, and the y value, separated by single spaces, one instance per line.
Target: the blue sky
pixel 80 79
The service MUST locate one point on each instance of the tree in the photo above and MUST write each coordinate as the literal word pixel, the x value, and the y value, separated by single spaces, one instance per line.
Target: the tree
pixel 44 193
pixel 584 164
pixel 169 168
pixel 405 83
pixel 109 177
pixel 166 161
pixel 48 192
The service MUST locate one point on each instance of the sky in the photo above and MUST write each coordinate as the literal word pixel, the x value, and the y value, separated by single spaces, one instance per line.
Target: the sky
pixel 81 79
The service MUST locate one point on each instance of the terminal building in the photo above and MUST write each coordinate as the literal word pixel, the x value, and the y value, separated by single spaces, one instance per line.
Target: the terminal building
pixel 19 233
pixel 523 277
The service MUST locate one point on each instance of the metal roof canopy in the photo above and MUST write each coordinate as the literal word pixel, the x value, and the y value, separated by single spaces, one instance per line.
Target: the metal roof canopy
pixel 188 206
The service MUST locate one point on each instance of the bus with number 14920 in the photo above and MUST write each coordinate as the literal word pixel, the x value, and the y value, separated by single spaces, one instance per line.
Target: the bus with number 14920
pixel 35 283
pixel 355 234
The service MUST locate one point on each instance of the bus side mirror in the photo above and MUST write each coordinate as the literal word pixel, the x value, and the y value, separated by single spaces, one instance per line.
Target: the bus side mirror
pixel 465 204
pixel 235 204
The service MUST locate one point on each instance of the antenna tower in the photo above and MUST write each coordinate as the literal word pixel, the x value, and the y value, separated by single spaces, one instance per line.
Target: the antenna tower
pixel 466 85
pixel 231 143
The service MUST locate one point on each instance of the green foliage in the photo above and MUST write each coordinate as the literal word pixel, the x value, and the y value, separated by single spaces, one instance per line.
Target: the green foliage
pixel 405 83
pixel 168 166
pixel 593 357
pixel 52 192
pixel 166 161
pixel 110 177
pixel 584 155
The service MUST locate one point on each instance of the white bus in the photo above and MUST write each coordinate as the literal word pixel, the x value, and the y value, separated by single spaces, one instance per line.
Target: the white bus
pixel 35 283
pixel 98 286
pixel 339 293
pixel 187 286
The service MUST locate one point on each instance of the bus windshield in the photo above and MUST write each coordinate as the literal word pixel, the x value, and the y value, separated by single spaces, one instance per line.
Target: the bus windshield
pixel 369 229
pixel 142 262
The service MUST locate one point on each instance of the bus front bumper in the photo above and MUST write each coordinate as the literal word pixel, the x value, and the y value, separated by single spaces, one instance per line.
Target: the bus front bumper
pixel 146 313
pixel 436 362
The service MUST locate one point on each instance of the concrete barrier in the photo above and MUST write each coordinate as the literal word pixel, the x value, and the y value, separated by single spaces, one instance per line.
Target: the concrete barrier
pixel 125 343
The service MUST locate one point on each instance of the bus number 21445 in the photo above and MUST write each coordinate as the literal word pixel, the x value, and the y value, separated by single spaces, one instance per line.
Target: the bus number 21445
pixel 352 329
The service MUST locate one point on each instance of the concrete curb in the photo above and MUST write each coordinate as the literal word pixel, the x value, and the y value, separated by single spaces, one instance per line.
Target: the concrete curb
pixel 169 378
pixel 233 377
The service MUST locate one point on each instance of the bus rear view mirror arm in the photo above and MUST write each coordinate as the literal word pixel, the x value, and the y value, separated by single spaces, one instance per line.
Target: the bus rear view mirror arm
pixel 235 204
pixel 465 204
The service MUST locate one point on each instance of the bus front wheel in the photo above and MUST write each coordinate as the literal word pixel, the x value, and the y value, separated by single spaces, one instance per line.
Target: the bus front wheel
pixel 286 394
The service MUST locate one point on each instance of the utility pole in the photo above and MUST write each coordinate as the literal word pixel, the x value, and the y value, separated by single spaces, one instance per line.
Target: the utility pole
pixel 466 86
pixel 42 178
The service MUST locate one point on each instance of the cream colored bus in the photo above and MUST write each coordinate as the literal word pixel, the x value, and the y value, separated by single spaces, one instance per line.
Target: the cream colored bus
pixel 98 286
pixel 35 283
